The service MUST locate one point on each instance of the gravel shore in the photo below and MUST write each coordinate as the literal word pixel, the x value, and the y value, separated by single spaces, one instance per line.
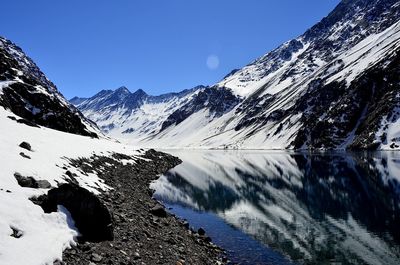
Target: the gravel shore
pixel 144 233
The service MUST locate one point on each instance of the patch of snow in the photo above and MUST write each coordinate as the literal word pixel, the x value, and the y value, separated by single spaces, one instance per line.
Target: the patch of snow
pixel 4 84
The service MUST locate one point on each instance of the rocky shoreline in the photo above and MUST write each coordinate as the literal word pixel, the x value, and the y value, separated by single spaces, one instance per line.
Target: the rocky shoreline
pixel 144 233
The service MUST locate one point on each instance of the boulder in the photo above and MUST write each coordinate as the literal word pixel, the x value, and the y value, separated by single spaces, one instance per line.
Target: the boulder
pixel 201 231
pixel 91 216
pixel 16 233
pixel 43 184
pixel 24 155
pixel 96 257
pixel 185 224
pixel 26 182
pixel 26 146
pixel 30 182
pixel 159 211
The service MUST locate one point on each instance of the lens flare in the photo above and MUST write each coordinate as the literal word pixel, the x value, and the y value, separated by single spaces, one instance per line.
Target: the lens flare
pixel 212 62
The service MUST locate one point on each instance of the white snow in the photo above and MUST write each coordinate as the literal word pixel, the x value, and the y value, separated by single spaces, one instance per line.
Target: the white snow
pixel 44 236
pixel 373 49
pixel 250 78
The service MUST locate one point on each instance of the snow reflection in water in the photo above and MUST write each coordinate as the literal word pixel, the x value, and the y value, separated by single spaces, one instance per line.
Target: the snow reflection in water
pixel 311 208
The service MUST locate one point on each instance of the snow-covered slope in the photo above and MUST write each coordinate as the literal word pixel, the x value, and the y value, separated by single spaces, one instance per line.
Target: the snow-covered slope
pixel 44 236
pixel 126 115
pixel 121 113
pixel 335 86
pixel 26 91
pixel 349 23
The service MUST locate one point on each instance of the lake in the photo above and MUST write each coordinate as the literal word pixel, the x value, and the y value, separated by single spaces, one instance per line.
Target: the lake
pixel 268 207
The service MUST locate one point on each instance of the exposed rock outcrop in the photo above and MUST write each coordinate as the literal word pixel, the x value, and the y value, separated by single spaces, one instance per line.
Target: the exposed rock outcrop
pixel 92 218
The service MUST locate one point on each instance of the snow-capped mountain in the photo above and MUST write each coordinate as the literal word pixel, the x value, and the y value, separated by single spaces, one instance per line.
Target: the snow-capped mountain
pixel 26 91
pixel 123 114
pixel 335 86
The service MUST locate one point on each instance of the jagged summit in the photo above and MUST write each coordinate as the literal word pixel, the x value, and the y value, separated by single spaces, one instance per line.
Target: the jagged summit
pixel 140 91
pixel 122 89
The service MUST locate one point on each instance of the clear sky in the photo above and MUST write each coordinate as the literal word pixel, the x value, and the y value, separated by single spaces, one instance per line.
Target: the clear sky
pixel 84 46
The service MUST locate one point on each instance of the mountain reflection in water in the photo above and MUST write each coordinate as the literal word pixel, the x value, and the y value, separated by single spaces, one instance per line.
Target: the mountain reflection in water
pixel 312 208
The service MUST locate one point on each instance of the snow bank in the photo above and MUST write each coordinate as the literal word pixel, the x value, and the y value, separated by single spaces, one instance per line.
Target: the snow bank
pixel 42 236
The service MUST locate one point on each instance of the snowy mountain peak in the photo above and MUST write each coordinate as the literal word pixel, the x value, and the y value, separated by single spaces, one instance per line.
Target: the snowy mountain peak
pixel 348 24
pixel 122 90
pixel 139 93
pixel 104 92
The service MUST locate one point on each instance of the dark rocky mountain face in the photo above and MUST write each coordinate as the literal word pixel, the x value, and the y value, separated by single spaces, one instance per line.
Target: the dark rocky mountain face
pixel 217 100
pixel 112 100
pixel 358 108
pixel 26 91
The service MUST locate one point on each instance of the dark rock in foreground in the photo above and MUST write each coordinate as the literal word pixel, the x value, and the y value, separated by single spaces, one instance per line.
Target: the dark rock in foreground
pixel 16 233
pixel 91 216
pixel 26 146
pixel 30 182
pixel 201 231
pixel 24 155
pixel 159 211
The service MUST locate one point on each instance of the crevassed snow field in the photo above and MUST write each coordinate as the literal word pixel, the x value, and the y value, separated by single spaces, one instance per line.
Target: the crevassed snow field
pixel 44 236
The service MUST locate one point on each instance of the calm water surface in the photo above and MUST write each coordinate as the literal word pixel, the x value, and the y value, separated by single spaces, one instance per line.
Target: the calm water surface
pixel 290 208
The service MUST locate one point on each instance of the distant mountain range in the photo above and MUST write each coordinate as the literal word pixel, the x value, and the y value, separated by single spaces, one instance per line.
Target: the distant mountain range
pixel 334 87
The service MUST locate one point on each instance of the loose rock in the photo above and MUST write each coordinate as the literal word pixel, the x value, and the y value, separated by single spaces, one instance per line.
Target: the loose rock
pixel 201 231
pixel 159 211
pixel 26 146
pixel 16 233
pixel 96 257
pixel 26 182
pixel 30 182
pixel 24 156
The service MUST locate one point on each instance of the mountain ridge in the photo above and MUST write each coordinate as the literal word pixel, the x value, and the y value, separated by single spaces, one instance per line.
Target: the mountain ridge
pixel 298 96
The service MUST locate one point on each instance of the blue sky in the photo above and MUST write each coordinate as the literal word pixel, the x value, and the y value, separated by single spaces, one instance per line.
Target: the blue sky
pixel 84 46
